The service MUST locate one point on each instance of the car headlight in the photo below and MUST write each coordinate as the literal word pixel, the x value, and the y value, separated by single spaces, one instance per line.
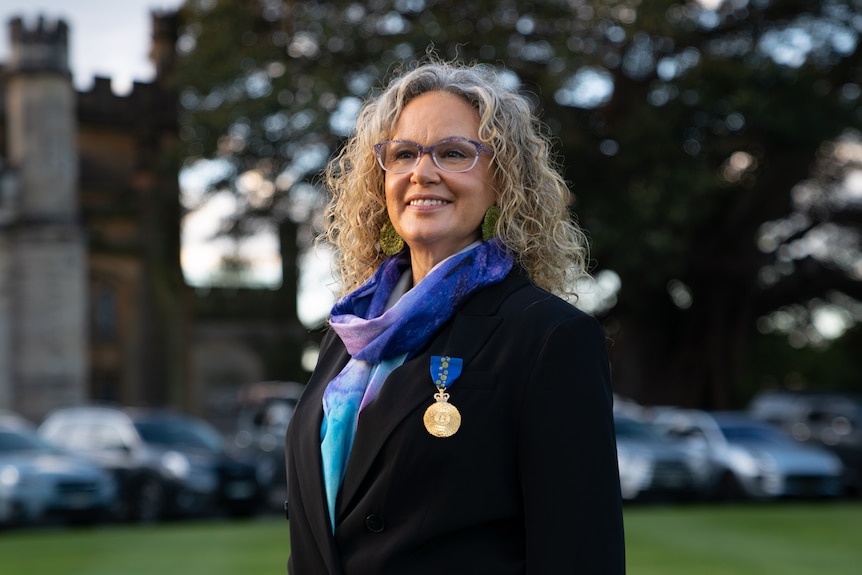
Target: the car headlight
pixel 752 462
pixel 9 476
pixel 743 462
pixel 176 464
pixel 635 471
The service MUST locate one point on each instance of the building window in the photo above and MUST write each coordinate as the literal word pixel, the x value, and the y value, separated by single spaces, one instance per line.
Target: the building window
pixel 104 313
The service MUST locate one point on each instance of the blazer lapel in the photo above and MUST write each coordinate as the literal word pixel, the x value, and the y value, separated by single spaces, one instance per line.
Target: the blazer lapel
pixel 311 476
pixel 410 385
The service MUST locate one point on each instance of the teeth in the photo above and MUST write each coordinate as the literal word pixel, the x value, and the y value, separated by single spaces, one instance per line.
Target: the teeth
pixel 427 203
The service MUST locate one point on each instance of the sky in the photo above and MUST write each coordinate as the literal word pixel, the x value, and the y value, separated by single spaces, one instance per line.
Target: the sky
pixel 112 38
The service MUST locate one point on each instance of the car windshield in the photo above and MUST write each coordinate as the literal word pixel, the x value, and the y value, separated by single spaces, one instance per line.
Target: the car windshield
pixel 631 429
pixel 11 442
pixel 179 433
pixel 751 433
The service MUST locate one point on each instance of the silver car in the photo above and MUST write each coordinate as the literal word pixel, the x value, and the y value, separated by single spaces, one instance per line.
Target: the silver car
pixel 39 482
pixel 654 466
pixel 751 459
pixel 832 420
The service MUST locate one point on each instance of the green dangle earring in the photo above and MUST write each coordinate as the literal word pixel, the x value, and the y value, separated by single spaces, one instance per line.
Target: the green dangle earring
pixel 489 223
pixel 390 242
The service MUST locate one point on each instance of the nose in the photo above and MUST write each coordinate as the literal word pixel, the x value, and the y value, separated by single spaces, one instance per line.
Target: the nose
pixel 425 169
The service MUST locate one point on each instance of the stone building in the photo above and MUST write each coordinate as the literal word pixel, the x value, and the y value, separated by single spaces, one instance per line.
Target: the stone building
pixel 92 301
pixel 93 305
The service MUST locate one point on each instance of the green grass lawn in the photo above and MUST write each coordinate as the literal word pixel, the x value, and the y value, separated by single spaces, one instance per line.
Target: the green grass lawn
pixel 253 547
pixel 780 539
pixel 756 539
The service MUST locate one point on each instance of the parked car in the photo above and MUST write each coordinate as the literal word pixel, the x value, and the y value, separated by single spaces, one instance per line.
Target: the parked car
pixel 654 466
pixel 263 412
pixel 832 420
pixel 167 464
pixel 237 490
pixel 11 419
pixel 40 482
pixel 751 459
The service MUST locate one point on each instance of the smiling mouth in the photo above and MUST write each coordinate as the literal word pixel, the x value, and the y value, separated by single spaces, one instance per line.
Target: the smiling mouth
pixel 426 202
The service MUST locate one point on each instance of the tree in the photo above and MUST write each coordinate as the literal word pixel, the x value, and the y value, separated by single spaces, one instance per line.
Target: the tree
pixel 688 130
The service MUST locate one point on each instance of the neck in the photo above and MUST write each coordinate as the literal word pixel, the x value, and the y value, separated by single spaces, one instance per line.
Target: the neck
pixel 423 261
pixel 422 264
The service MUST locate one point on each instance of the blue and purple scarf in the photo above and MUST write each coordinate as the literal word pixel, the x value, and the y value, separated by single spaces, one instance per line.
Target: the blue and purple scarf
pixel 380 339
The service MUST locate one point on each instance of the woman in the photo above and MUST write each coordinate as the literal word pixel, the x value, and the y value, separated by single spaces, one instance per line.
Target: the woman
pixel 459 418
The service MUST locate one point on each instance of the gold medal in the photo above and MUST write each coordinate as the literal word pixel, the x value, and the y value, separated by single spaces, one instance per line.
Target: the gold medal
pixel 442 419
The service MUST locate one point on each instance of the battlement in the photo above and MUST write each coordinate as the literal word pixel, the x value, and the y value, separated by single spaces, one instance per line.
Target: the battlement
pixel 163 50
pixel 40 48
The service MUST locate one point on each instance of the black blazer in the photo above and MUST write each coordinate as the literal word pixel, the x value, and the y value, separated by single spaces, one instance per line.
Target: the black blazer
pixel 528 485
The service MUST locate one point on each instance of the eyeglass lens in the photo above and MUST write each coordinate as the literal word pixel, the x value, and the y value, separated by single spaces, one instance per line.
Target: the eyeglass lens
pixel 449 155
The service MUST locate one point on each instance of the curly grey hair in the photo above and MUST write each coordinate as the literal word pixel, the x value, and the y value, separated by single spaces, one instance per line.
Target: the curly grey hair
pixel 534 224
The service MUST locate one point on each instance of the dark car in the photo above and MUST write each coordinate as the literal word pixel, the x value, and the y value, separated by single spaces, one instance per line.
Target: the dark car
pixel 829 419
pixel 263 412
pixel 167 464
pixel 40 482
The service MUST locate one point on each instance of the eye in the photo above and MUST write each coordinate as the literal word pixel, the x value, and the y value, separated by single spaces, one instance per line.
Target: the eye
pixel 455 151
pixel 403 152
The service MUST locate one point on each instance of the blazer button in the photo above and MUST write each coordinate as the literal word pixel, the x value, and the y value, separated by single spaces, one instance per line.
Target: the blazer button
pixel 374 523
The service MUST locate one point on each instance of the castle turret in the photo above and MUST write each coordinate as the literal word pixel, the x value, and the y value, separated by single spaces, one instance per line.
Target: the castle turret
pixel 44 256
pixel 40 115
pixel 40 49
pixel 163 50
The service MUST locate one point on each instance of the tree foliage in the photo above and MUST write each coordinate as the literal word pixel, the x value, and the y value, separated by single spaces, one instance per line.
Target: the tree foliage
pixel 711 149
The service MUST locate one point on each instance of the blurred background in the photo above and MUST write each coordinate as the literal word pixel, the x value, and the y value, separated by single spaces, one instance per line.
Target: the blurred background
pixel 160 194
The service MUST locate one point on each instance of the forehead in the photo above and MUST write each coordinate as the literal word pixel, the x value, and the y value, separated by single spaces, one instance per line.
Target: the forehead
pixel 434 116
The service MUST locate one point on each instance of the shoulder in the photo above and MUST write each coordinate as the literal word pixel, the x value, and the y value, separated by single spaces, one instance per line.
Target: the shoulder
pixel 518 298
